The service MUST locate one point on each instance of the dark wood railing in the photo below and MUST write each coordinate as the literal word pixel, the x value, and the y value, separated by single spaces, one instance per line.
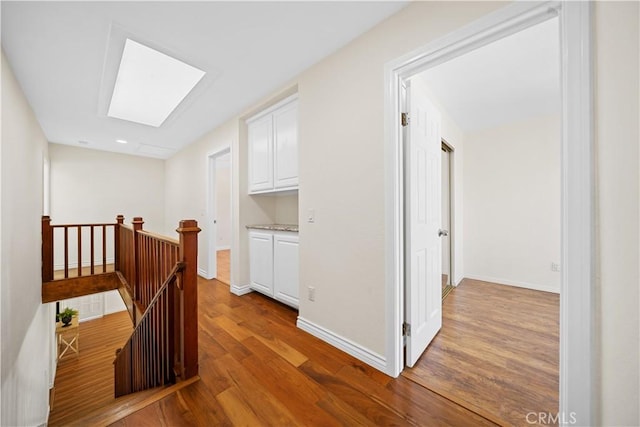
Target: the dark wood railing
pixel 162 278
pixel 148 359
pixel 157 279
pixel 85 260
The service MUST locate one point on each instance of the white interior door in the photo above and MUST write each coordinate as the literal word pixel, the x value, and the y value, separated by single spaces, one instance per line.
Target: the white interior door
pixel 423 257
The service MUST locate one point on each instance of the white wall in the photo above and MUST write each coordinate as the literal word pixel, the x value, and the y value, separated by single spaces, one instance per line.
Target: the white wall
pixel 618 182
pixel 512 204
pixel 27 325
pixel 341 163
pixel 223 202
pixel 186 185
pixel 95 186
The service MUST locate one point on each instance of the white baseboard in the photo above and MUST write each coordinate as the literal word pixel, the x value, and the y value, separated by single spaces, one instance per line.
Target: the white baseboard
pixel 240 290
pixel 204 273
pixel 356 350
pixel 517 284
pixel 223 248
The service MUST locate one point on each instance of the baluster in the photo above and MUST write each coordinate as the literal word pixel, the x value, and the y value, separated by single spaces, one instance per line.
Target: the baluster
pixel 92 251
pixel 79 228
pixel 66 252
pixel 104 249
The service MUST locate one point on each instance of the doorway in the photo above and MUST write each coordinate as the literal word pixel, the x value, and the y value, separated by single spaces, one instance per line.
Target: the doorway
pixel 577 281
pixel 447 247
pixel 219 216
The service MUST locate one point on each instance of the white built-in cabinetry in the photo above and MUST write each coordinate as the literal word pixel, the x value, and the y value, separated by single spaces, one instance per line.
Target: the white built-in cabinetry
pixel 273 148
pixel 273 264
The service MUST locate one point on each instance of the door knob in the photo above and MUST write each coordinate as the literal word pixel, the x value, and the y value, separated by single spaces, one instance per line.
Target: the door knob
pixel 443 233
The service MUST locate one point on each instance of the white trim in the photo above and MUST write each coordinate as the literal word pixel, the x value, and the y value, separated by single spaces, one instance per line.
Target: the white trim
pixel 577 307
pixel 240 290
pixel 515 283
pixel 223 248
pixel 270 109
pixel 354 349
pixel 204 274
pixel 577 400
pixel 211 158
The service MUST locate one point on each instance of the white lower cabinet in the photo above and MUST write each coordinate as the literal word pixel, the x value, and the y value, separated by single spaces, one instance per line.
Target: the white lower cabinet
pixel 273 264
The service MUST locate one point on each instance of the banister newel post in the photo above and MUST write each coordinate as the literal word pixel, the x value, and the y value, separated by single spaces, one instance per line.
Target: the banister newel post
pixel 137 226
pixel 116 242
pixel 188 231
pixel 47 249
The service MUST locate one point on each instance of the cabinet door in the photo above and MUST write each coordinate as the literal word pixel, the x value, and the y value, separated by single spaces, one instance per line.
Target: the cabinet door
pixel 260 141
pixel 285 129
pixel 261 261
pixel 285 269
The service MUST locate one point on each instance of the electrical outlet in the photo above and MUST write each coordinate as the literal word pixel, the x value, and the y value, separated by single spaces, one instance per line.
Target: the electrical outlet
pixel 555 267
pixel 312 293
pixel 311 215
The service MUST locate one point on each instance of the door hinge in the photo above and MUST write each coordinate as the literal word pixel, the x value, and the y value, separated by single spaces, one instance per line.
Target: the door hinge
pixel 404 119
pixel 406 329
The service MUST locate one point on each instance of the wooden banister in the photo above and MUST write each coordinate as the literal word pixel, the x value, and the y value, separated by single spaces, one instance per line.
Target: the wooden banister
pixel 163 280
pixel 157 278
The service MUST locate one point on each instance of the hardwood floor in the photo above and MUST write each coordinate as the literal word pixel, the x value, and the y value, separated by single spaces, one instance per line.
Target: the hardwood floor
pixel 257 368
pixel 85 383
pixel 495 359
pixel 224 262
pixel 497 352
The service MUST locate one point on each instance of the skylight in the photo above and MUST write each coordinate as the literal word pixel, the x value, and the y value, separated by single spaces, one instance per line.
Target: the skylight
pixel 150 85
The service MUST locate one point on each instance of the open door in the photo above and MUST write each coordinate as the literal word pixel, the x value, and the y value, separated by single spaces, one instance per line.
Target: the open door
pixel 423 257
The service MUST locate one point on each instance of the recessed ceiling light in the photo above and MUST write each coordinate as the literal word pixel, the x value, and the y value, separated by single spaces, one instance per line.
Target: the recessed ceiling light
pixel 150 85
pixel 121 141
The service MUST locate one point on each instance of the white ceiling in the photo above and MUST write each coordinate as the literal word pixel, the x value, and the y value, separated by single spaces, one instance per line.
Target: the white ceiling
pixel 66 54
pixel 512 79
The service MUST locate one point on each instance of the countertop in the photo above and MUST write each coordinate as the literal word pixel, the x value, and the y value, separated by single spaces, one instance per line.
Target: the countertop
pixel 275 227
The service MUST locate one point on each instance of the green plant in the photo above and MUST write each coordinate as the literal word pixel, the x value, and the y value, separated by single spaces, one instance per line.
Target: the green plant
pixel 68 312
pixel 67 315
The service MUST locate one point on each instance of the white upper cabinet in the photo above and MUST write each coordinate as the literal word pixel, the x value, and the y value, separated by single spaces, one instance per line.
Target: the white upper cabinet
pixel 273 148
pixel 261 154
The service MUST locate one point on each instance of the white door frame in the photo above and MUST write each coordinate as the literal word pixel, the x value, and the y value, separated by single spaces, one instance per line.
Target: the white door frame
pixel 577 399
pixel 212 261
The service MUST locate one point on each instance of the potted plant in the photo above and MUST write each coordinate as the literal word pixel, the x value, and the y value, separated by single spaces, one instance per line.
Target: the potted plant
pixel 66 315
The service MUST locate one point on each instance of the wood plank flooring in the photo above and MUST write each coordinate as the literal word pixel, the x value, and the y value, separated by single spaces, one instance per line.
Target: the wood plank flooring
pixel 494 360
pixel 85 383
pixel 497 352
pixel 257 368
pixel 224 262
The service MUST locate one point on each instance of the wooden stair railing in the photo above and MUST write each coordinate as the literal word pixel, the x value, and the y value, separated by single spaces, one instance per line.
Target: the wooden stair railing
pixel 147 360
pixel 157 279
pixel 162 278
pixel 84 254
